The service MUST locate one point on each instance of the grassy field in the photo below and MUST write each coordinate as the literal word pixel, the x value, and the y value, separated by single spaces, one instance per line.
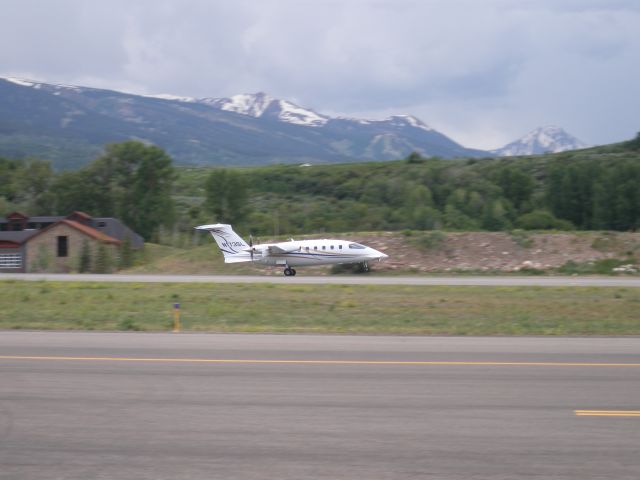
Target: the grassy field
pixel 321 309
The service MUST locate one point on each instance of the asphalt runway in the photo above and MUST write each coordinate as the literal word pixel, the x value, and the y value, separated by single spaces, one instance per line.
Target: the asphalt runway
pixel 490 281
pixel 201 406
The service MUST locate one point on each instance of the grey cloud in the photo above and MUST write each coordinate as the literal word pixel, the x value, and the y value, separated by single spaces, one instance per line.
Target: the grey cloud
pixel 61 39
pixel 482 71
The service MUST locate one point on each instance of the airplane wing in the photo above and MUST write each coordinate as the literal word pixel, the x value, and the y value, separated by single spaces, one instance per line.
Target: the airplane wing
pixel 279 250
pixel 273 249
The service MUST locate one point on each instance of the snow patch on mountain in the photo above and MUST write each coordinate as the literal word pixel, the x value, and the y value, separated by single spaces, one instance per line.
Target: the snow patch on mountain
pixel 541 140
pixel 292 113
pixel 360 121
pixel 167 96
pixel 404 120
pixel 19 81
pixel 253 105
pixel 258 104
pixel 38 85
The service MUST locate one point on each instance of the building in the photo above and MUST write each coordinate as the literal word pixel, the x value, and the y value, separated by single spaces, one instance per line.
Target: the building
pixel 55 244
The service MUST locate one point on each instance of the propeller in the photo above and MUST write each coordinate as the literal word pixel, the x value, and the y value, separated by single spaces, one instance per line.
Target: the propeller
pixel 251 245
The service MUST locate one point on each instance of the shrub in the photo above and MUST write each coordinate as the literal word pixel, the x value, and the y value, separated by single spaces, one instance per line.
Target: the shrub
pixel 430 240
pixel 350 268
pixel 84 261
pixel 129 325
pixel 415 157
pixel 542 220
pixel 126 254
pixel 522 238
pixel 103 263
pixel 603 266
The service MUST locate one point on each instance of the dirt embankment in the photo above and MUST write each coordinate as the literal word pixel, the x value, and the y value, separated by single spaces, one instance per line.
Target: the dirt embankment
pixel 498 251
pixel 437 252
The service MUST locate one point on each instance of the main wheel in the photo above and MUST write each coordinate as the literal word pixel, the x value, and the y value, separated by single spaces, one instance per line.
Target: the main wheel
pixel 293 272
pixel 288 272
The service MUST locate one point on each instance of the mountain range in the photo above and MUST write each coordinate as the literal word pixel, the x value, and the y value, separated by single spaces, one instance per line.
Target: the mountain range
pixel 69 125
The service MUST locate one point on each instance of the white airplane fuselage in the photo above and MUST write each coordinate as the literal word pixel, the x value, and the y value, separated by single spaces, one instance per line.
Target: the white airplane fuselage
pixel 289 254
pixel 314 252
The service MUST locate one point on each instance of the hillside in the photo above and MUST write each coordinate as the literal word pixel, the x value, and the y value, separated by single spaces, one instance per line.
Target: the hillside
pixel 437 252
pixel 69 125
pixel 590 189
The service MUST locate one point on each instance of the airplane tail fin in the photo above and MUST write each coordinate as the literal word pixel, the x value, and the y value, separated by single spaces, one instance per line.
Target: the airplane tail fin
pixel 233 247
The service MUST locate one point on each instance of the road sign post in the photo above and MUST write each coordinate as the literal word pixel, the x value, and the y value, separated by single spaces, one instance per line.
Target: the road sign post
pixel 176 317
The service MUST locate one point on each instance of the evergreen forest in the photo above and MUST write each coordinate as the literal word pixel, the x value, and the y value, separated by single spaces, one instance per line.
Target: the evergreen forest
pixel 590 189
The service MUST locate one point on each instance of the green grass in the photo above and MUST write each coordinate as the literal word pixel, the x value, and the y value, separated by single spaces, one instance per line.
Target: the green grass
pixel 321 308
pixel 603 266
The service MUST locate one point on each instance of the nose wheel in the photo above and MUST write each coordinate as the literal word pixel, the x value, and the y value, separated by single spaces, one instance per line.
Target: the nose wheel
pixel 289 272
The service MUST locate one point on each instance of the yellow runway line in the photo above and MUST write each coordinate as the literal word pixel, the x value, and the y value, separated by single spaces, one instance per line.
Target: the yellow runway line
pixel 607 413
pixel 315 362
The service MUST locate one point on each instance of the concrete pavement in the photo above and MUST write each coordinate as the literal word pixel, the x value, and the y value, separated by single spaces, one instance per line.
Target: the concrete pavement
pixel 94 405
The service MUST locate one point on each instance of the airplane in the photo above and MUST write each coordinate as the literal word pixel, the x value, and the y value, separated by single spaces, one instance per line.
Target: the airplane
pixel 292 253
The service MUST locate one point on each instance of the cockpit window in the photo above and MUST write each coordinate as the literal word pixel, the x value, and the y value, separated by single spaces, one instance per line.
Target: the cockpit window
pixel 356 245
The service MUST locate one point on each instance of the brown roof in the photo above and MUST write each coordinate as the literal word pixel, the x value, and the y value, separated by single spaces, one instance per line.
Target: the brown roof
pixel 82 215
pixel 16 215
pixel 92 232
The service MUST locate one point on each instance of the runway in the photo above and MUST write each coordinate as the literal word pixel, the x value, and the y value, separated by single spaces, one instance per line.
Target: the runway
pixel 163 406
pixel 490 281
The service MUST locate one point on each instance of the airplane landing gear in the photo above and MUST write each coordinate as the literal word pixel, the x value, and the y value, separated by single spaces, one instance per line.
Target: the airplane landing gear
pixel 289 272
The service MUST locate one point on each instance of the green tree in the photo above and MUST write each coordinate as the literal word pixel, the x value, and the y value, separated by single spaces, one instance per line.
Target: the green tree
pixel 454 219
pixel 31 186
pixel 494 217
pixel 84 260
pixel 126 253
pixel 516 185
pixel 414 157
pixel 103 262
pixel 80 190
pixel 136 182
pixel 130 181
pixel 8 169
pixel 623 186
pixel 635 143
pixel 226 196
pixel 426 218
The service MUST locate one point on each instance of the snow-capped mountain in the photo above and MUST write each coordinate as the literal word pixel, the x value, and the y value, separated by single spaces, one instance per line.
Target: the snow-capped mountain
pixel 541 140
pixel 71 124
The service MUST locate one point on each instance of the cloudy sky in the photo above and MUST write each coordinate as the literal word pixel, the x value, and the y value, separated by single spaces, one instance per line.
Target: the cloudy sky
pixel 483 72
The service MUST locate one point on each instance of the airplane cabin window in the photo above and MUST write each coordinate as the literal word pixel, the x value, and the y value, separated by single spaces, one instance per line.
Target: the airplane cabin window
pixel 356 245
pixel 340 247
pixel 331 247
